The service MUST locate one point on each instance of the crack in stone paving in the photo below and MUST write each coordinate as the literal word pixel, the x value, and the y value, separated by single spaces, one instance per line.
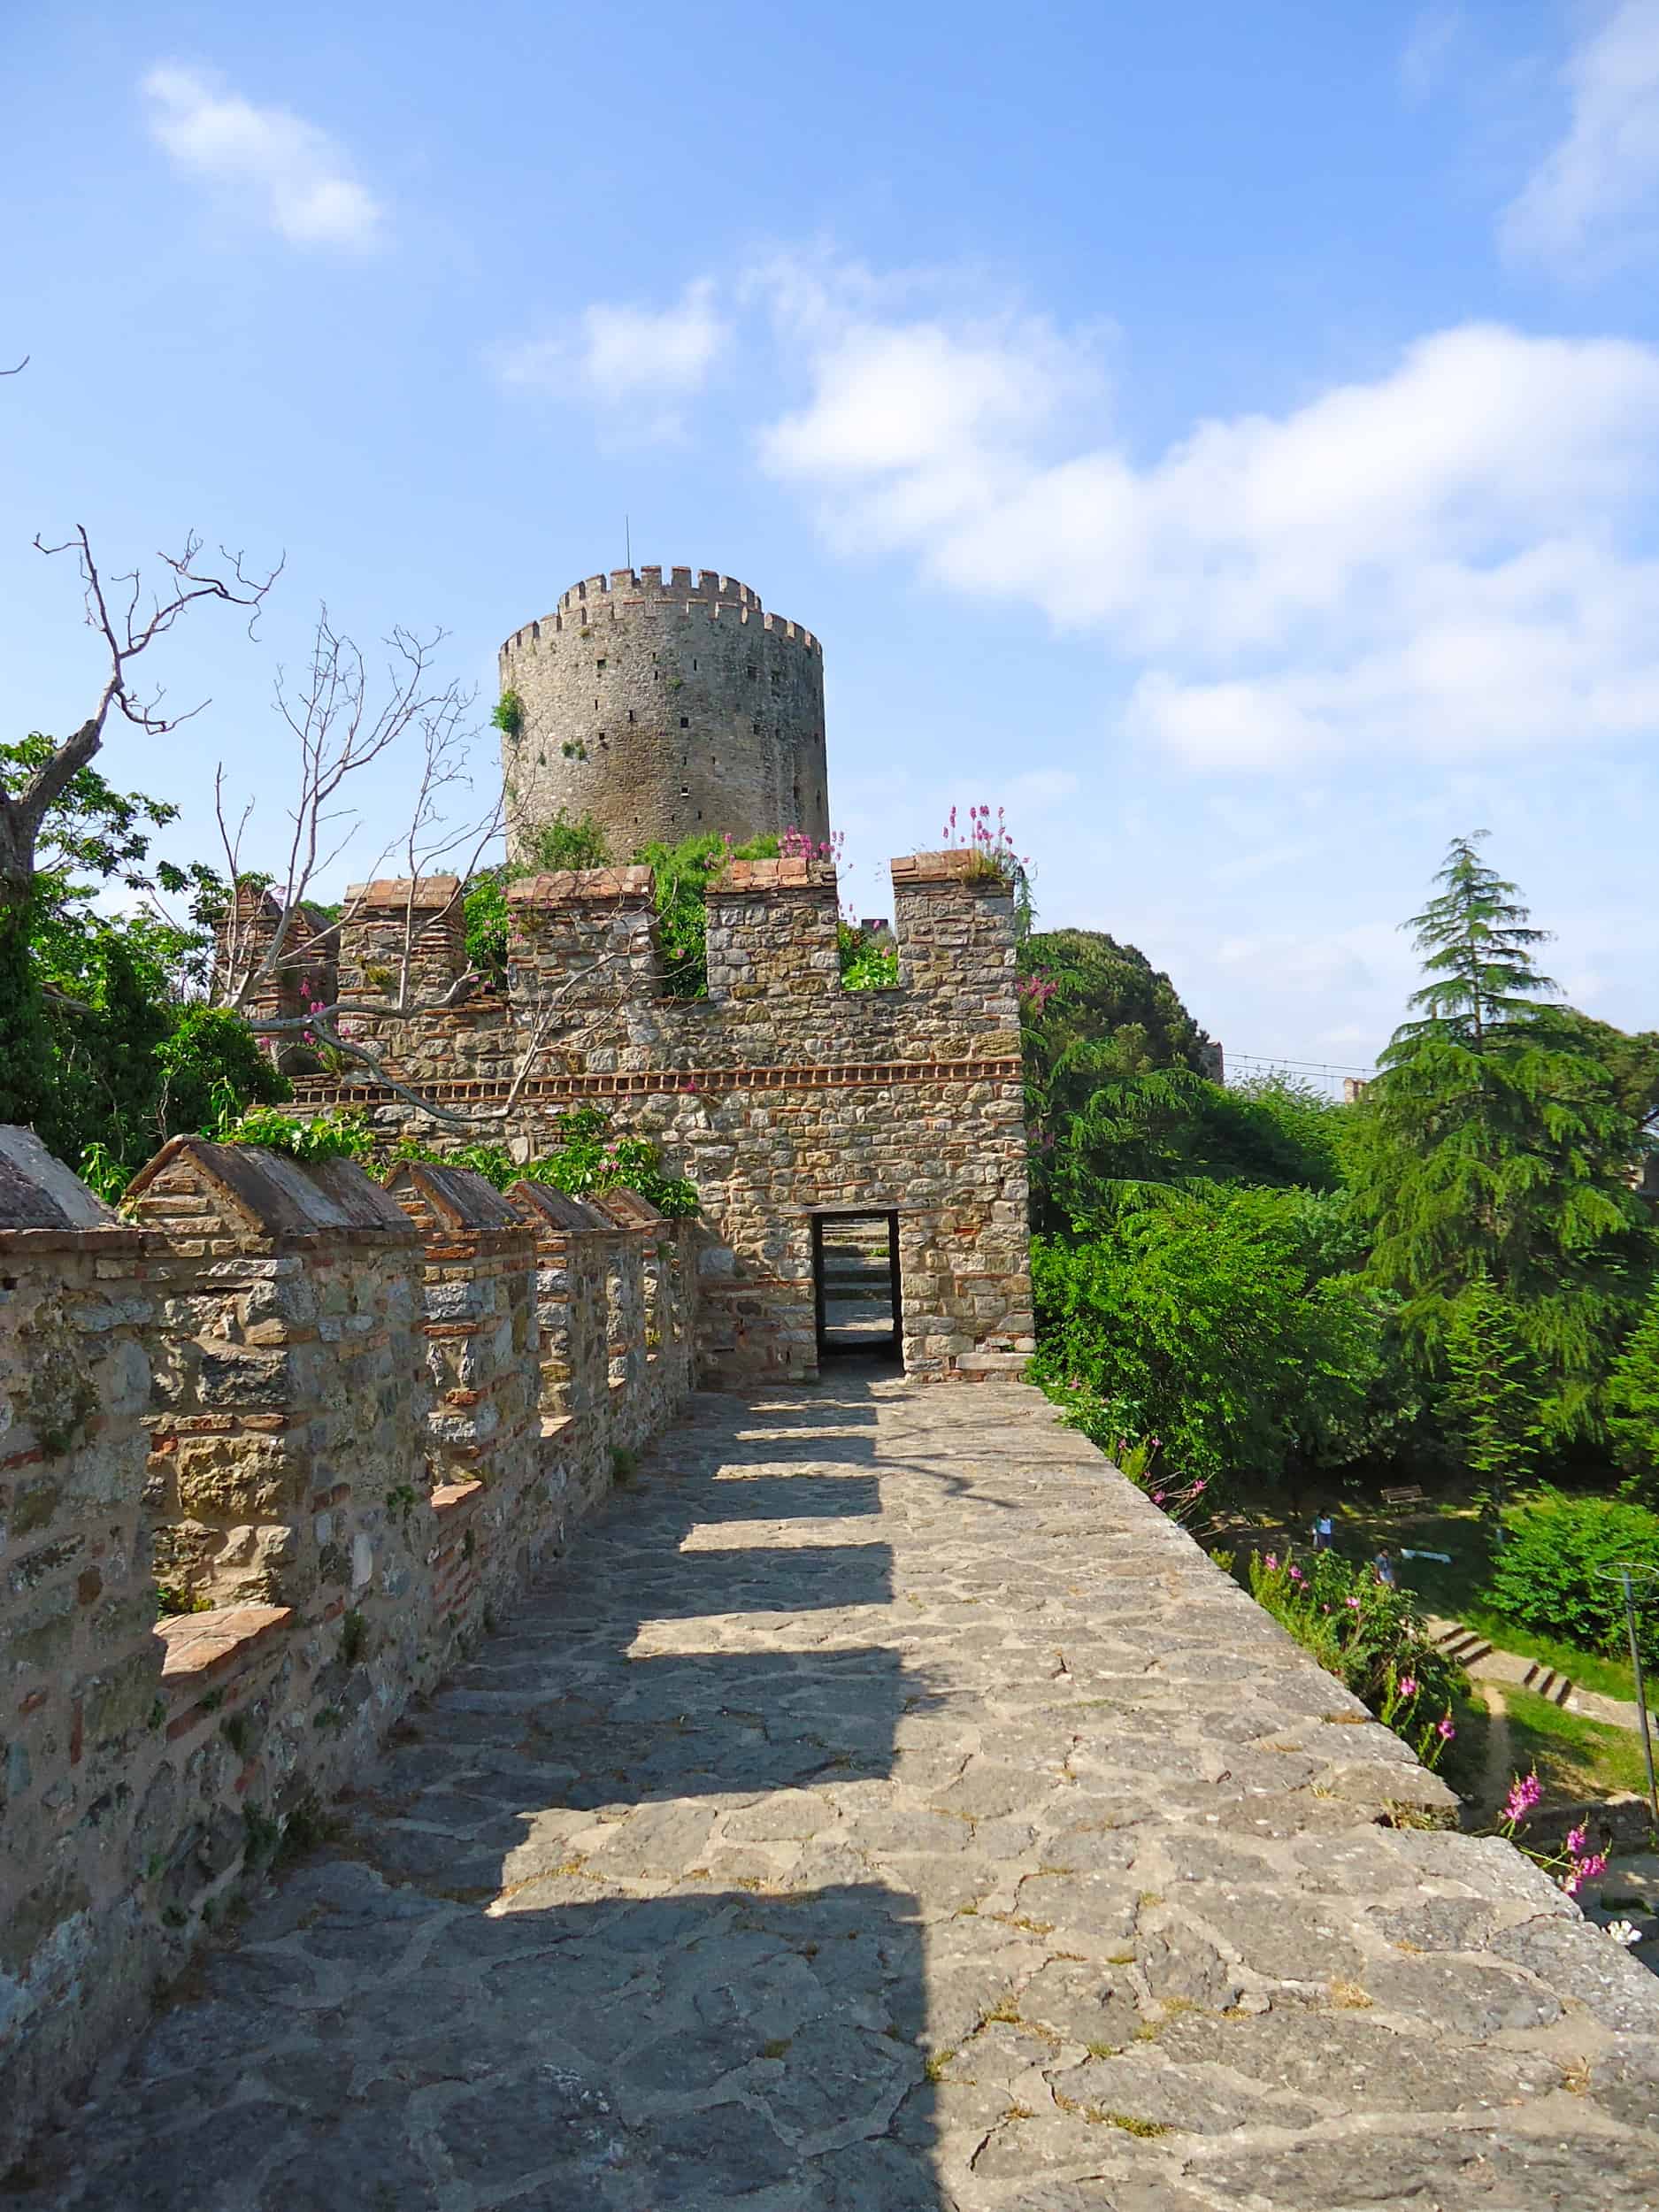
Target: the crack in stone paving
pixel 768 1860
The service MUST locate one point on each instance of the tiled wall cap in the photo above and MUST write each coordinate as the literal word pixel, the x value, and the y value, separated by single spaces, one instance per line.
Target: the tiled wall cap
pixel 430 895
pixel 567 887
pixel 953 866
pixel 544 1207
pixel 775 875
pixel 280 1195
pixel 626 1208
pixel 459 1195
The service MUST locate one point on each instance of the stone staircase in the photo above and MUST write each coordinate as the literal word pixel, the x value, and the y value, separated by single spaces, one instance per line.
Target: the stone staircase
pixel 1476 1657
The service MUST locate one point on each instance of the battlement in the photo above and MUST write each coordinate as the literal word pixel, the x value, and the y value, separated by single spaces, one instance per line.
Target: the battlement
pixel 586 967
pixel 626 592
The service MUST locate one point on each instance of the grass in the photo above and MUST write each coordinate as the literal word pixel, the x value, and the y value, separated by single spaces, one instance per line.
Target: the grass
pixel 1575 1759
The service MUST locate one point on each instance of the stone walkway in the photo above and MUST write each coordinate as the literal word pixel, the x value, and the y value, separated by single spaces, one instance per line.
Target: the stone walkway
pixel 884 1807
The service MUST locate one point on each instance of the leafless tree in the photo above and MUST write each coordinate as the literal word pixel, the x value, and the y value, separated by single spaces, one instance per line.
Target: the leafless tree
pixel 343 722
pixel 129 618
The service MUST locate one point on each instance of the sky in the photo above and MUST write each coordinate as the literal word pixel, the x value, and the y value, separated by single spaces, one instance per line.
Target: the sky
pixel 1226 438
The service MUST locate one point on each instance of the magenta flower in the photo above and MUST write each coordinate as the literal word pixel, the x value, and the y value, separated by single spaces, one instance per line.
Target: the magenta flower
pixel 1271 1563
pixel 1407 1685
pixel 1522 1797
pixel 1576 1840
pixel 1445 1730
pixel 1353 1602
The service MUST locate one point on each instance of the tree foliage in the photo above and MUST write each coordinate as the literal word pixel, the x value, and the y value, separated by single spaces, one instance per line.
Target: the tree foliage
pixel 1633 1402
pixel 1490 1144
pixel 101 1049
pixel 1549 1574
pixel 1205 1321
pixel 1492 1390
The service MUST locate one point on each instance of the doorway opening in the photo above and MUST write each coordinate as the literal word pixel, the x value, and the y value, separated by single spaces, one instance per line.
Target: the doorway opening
pixel 856 1284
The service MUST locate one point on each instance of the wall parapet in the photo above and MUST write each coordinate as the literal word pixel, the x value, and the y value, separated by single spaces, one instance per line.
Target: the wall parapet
pixel 323 1411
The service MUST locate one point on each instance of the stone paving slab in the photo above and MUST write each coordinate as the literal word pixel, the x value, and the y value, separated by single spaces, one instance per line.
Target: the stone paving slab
pixel 960 1841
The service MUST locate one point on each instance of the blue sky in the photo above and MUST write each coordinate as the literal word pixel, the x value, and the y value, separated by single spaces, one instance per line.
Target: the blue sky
pixel 1227 437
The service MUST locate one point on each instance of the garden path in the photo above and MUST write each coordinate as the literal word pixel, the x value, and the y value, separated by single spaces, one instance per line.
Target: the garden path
pixel 885 1806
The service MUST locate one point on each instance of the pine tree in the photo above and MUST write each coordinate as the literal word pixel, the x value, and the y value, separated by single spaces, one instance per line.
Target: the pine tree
pixel 1493 1392
pixel 1492 1144
pixel 1633 1403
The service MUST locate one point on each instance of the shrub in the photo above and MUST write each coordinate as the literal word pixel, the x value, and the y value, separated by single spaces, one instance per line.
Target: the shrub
pixel 1544 1575
pixel 867 963
pixel 212 1055
pixel 1369 1635
pixel 562 843
pixel 1197 1320
pixel 485 909
pixel 324 1137
pixel 590 1156
pixel 683 874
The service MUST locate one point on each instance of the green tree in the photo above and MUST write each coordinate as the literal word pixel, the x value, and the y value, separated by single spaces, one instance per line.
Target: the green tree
pixel 1633 1397
pixel 1490 1144
pixel 1200 1321
pixel 1492 1392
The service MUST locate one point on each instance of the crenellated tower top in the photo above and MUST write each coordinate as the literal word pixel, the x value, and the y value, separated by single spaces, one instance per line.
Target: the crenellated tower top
pixel 660 704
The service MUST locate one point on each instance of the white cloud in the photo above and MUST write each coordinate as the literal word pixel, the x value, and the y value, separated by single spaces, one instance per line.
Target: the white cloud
pixel 1596 193
pixel 628 359
pixel 1430 563
pixel 266 162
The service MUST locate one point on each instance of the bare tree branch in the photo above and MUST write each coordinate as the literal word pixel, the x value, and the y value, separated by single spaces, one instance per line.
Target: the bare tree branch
pixel 21 365
pixel 129 624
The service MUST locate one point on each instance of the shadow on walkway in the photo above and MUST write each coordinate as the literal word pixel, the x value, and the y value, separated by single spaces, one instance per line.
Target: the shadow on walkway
pixel 576 1946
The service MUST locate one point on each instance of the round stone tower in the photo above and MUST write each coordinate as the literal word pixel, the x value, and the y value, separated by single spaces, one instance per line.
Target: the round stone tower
pixel 663 709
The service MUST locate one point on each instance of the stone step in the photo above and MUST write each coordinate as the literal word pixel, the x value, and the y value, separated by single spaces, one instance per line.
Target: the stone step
pixel 1465 1646
pixel 1545 1682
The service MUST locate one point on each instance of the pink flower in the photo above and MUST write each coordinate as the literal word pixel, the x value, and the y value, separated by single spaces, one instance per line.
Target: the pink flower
pixel 1157 1497
pixel 1296 1575
pixel 1271 1563
pixel 1407 1685
pixel 1202 1483
pixel 1444 1729
pixel 1353 1602
pixel 1576 1840
pixel 1522 1797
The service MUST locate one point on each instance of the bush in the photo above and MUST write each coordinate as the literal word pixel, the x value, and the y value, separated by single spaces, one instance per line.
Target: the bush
pixel 867 963
pixel 1370 1636
pixel 1200 1320
pixel 1544 1575
pixel 591 1156
pixel 212 1058
pixel 323 1137
pixel 683 873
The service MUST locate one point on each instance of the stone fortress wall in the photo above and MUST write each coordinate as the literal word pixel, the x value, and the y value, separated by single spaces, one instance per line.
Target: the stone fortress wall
pixel 347 1422
pixel 664 709
pixel 781 1094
